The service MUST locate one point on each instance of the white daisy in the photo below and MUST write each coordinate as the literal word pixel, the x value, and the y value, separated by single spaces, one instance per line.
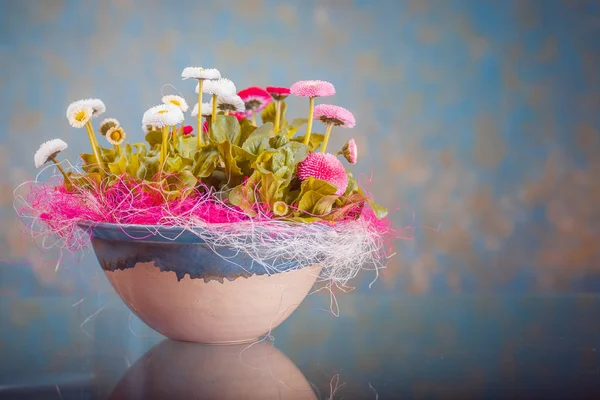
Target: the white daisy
pixel 206 110
pixel 177 101
pixel 163 115
pixel 96 105
pixel 219 88
pixel 79 115
pixel 200 73
pixel 106 124
pixel 48 151
pixel 116 135
pixel 231 103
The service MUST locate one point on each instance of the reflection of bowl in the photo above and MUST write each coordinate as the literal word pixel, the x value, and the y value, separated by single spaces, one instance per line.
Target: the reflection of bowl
pixel 175 370
pixel 173 281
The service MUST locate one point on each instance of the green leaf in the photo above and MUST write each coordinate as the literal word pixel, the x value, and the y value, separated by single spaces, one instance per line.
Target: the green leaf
pixel 256 144
pixel 324 205
pixel 174 164
pixel 380 211
pixel 243 197
pixel 246 129
pixel 352 184
pixel 299 150
pixel 265 129
pixel 308 201
pixel 263 161
pixel 231 167
pixel 154 138
pixel 187 146
pixel 226 127
pixel 317 185
pixel 205 161
pixel 284 157
pixel 133 164
pixel 293 127
pixel 183 182
pixel 149 166
pixel 119 167
pixel 278 141
pixel 141 149
pixel 314 142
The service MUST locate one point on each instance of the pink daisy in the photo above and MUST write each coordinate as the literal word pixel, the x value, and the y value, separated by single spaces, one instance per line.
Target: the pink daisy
pixel 240 115
pixel 326 167
pixel 278 93
pixel 312 89
pixel 350 151
pixel 187 129
pixel 255 98
pixel 338 116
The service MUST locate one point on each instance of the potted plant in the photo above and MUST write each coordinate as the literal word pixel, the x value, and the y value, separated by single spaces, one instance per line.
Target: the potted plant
pixel 214 234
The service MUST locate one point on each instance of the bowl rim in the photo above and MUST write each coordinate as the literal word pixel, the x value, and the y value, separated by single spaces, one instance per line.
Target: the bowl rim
pixel 154 233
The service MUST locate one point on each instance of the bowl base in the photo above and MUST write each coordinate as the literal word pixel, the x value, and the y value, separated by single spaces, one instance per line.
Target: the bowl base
pixel 224 343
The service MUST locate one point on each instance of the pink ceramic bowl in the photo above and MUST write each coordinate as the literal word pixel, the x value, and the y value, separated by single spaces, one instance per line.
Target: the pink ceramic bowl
pixel 175 283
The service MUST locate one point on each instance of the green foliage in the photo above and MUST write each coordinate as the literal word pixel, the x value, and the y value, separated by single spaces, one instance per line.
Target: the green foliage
pixel 251 167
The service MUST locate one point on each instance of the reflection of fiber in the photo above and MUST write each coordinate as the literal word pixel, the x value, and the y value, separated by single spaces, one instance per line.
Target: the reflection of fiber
pixel 342 248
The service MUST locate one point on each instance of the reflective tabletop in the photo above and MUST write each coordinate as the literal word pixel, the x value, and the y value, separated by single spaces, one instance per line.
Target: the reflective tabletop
pixel 380 347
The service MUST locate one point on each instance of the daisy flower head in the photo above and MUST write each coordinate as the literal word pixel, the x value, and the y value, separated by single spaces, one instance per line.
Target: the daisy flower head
pixel 188 129
pixel 231 103
pixel 219 87
pixel 206 109
pixel 338 116
pixel 163 115
pixel 96 105
pixel 106 124
pixel 326 167
pixel 79 115
pixel 255 98
pixel 350 151
pixel 200 73
pixel 278 93
pixel 115 135
pixel 312 89
pixel 48 151
pixel 177 101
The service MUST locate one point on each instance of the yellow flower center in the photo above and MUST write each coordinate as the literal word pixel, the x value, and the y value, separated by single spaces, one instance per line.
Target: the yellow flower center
pixel 163 111
pixel 116 135
pixel 80 116
pixel 176 102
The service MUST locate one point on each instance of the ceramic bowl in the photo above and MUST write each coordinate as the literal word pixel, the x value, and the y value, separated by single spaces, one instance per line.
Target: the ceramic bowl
pixel 174 282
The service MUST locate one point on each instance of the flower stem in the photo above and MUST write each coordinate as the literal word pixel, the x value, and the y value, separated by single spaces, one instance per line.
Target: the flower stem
pixel 175 133
pixel 326 140
pixel 214 107
pixel 254 118
pixel 310 121
pixel 95 146
pixel 277 115
pixel 60 168
pixel 163 147
pixel 200 82
pixel 226 112
pixel 118 150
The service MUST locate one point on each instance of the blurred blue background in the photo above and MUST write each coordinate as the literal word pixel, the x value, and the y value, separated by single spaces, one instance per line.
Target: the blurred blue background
pixel 480 116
